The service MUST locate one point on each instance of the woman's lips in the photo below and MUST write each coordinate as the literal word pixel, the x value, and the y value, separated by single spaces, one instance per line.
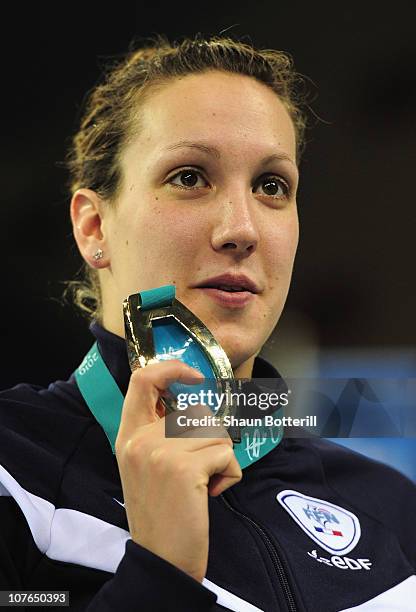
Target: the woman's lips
pixel 228 299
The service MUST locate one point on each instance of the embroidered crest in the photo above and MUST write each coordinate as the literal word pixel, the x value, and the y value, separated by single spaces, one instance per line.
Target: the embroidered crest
pixel 335 529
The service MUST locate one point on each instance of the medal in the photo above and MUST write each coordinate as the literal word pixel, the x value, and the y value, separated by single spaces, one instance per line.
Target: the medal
pixel 159 327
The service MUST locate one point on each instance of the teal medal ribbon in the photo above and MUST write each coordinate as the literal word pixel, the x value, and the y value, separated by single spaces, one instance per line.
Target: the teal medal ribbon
pixel 105 400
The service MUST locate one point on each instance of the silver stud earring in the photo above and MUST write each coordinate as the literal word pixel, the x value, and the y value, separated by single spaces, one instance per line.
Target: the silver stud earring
pixel 98 254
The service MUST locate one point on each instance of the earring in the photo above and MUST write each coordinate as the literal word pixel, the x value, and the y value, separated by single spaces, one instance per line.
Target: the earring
pixel 98 254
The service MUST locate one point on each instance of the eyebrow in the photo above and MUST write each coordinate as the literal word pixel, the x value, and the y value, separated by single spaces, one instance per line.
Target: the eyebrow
pixel 278 157
pixel 194 145
pixel 214 152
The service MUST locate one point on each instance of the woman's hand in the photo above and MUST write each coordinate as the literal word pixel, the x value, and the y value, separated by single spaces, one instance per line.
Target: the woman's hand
pixel 166 481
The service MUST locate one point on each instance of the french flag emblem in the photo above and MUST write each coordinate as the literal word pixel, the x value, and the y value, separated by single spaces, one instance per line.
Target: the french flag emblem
pixel 330 531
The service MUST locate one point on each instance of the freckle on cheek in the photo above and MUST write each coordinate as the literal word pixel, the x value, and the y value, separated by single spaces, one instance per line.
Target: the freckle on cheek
pixel 127 243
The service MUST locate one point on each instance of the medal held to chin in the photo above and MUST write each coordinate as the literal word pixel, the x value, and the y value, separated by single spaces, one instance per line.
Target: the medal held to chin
pixel 159 327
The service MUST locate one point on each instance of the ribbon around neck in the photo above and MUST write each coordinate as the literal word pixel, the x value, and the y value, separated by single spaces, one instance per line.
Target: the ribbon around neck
pixel 105 400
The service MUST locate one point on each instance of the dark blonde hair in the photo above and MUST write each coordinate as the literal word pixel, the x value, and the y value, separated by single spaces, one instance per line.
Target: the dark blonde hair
pixel 107 122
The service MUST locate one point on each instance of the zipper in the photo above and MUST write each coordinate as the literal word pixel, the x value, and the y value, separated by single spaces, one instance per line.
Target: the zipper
pixel 276 560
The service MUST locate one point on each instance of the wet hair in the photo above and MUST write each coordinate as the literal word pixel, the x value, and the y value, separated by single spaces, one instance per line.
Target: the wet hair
pixel 109 118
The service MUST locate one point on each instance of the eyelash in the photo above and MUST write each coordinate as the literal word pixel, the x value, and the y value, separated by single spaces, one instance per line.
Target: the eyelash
pixel 283 184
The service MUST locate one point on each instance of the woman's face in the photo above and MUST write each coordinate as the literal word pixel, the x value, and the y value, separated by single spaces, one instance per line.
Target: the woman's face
pixel 208 191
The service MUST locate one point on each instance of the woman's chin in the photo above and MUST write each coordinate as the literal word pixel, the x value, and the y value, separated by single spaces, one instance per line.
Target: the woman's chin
pixel 240 352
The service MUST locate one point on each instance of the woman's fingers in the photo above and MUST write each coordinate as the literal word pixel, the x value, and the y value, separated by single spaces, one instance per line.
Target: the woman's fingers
pixel 146 385
pixel 186 424
pixel 220 466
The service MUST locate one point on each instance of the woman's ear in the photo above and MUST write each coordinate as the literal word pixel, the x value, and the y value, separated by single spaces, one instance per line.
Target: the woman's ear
pixel 87 222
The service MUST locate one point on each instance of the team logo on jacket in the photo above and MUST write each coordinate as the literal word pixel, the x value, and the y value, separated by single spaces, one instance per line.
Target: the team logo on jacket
pixel 335 529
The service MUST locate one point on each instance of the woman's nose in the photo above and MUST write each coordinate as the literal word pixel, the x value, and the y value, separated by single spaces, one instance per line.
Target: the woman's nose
pixel 235 228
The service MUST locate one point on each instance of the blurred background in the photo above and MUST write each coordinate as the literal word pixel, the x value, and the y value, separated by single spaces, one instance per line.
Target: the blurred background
pixel 351 309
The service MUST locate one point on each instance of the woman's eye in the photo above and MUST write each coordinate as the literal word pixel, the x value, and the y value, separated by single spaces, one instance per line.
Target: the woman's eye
pixel 273 186
pixel 188 179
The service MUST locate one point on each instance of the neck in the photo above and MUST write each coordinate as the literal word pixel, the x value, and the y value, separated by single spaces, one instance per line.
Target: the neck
pixel 245 369
pixel 114 325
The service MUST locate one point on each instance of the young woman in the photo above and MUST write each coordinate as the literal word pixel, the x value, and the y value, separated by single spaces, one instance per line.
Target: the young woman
pixel 184 172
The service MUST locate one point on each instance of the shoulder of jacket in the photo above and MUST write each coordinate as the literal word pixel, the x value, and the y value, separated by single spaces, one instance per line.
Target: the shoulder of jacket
pixel 375 487
pixel 60 401
pixel 39 430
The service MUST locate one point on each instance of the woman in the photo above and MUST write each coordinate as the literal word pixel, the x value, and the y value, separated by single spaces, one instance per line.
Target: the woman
pixel 184 172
